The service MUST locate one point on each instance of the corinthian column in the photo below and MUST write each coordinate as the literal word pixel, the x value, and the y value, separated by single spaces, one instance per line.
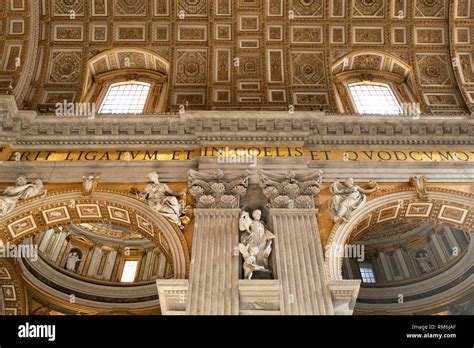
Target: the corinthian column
pixel 214 274
pixel 298 251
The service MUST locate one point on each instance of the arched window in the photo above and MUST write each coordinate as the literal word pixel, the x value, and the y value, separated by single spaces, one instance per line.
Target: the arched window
pixel 125 98
pixel 374 82
pixel 374 98
pixel 126 81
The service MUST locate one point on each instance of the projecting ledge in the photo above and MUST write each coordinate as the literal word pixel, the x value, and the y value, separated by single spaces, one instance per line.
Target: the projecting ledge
pixel 259 297
pixel 173 294
pixel 344 295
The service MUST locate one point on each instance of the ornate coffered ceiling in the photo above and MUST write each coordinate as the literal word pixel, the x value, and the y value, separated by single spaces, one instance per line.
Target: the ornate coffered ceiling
pixel 245 54
pixel 19 30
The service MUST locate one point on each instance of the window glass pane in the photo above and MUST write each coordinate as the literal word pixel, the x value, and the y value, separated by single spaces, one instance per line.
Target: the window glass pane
pixel 375 99
pixel 367 273
pixel 129 271
pixel 125 98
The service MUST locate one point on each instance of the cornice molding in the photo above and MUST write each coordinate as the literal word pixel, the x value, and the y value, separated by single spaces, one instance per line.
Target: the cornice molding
pixel 27 128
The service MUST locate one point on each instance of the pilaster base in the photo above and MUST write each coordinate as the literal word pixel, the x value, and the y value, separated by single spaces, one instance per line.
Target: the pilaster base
pixel 259 297
pixel 173 295
pixel 344 295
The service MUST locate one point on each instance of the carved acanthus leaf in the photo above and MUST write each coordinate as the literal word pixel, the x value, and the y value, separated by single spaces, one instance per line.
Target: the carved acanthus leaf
pixel 291 190
pixel 218 190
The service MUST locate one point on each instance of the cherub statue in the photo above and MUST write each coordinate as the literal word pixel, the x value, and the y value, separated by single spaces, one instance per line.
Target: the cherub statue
pixel 163 200
pixel 348 197
pixel 250 260
pixel 21 191
pixel 256 238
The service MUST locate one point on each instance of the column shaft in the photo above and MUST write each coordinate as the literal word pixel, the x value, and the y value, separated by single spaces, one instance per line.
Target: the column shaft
pixel 300 263
pixel 214 274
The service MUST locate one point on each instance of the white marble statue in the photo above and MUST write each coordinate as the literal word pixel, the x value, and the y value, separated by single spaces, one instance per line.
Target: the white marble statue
pixel 21 191
pixel 163 200
pixel 89 184
pixel 424 262
pixel 250 260
pixel 255 242
pixel 420 183
pixel 72 260
pixel 348 197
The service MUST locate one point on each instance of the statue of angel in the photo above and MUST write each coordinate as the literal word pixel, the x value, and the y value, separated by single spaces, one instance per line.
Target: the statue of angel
pixel 348 197
pixel 165 201
pixel 256 237
pixel 250 260
pixel 21 191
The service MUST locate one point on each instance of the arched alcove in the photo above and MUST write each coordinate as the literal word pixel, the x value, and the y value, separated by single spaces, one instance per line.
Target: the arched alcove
pixel 40 214
pixel 446 207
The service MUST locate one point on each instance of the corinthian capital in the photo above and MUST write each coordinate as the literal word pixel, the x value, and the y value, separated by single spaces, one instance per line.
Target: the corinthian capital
pixel 291 190
pixel 218 190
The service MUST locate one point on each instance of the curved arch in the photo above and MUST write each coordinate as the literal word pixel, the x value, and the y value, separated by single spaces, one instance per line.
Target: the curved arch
pixel 122 64
pixel 24 81
pixel 442 207
pixel 460 49
pixel 124 58
pixel 40 214
pixel 374 65
pixel 12 298
pixel 386 62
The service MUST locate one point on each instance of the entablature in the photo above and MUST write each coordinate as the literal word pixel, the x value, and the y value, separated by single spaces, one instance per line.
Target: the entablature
pixel 27 128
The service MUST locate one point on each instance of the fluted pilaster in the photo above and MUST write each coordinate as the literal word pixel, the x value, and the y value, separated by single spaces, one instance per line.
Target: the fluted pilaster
pixel 214 277
pixel 299 261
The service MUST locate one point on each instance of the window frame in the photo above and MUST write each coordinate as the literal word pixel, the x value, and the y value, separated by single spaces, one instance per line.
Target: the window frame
pixel 137 268
pixel 125 255
pixel 157 100
pixel 371 268
pixel 125 83
pixel 399 86
pixel 370 83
